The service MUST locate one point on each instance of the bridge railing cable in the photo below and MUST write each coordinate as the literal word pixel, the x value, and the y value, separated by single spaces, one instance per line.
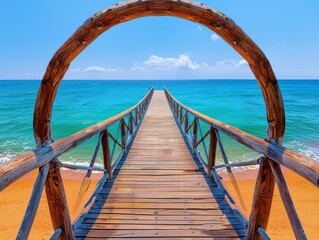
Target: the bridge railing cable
pixel 46 159
pixel 205 146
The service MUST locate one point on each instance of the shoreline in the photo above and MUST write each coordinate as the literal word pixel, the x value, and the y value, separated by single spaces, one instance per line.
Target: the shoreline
pixel 15 198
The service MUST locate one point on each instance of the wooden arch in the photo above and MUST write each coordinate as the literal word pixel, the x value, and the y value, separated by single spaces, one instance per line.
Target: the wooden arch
pixel 126 11
pixel 199 13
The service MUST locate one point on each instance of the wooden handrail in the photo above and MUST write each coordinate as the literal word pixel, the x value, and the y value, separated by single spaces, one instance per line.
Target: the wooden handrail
pixel 269 173
pixel 14 169
pixel 238 164
pixel 45 157
pixel 300 164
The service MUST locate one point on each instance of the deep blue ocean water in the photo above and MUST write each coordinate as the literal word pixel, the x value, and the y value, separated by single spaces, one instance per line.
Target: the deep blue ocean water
pixel 80 104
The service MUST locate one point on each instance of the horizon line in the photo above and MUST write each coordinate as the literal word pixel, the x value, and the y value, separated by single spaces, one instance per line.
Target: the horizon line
pixel 193 79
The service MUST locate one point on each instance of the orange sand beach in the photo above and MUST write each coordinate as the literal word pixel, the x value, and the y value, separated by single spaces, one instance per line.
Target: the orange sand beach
pixel 304 195
pixel 14 200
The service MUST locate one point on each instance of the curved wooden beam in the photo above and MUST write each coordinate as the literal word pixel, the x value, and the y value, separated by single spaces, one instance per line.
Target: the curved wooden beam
pixel 126 11
pixel 186 9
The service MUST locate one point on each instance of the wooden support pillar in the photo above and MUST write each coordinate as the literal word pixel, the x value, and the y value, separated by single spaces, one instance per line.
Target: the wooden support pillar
pixel 195 128
pixel 262 200
pixel 174 107
pixel 107 153
pixel 287 201
pixel 212 151
pixel 55 193
pixel 140 113
pixel 33 203
pixel 186 122
pixel 131 125
pixel 136 117
pixel 141 110
pixel 123 134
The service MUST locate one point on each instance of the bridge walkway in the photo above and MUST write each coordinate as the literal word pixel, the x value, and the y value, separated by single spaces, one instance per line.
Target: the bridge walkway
pixel 160 191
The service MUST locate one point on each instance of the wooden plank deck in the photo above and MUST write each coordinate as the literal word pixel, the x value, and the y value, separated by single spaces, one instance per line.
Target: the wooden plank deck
pixel 160 192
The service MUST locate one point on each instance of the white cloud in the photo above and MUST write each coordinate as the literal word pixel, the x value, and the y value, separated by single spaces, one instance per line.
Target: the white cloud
pixel 97 69
pixel 165 65
pixel 214 37
pixel 230 63
pixel 94 69
pixel 100 69
pixel 162 63
pixel 137 67
pixel 242 62
pixel 199 28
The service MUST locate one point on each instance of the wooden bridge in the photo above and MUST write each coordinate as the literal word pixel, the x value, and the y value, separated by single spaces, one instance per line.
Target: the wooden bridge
pixel 160 191
pixel 163 184
pixel 159 185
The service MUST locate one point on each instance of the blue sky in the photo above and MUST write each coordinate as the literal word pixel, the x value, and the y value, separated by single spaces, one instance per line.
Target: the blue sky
pixel 159 47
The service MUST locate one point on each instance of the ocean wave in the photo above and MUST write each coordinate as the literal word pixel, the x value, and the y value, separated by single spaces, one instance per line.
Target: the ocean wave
pixel 7 155
pixel 9 151
pixel 310 150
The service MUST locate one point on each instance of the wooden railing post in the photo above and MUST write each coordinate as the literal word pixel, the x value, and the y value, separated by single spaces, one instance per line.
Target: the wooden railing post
pixel 55 193
pixel 212 151
pixel 131 125
pixel 142 107
pixel 136 117
pixel 33 205
pixel 107 153
pixel 186 122
pixel 123 134
pixel 141 110
pixel 262 200
pixel 195 128
pixel 181 115
pixel 176 112
pixel 140 113
pixel 175 105
pixel 287 201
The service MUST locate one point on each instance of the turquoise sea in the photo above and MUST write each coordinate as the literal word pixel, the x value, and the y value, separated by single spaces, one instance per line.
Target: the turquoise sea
pixel 80 104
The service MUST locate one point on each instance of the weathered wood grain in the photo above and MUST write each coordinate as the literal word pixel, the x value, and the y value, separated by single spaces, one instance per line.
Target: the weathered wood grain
pixel 287 201
pixel 262 200
pixel 168 234
pixel 56 198
pixel 212 151
pixel 106 153
pixel 32 208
